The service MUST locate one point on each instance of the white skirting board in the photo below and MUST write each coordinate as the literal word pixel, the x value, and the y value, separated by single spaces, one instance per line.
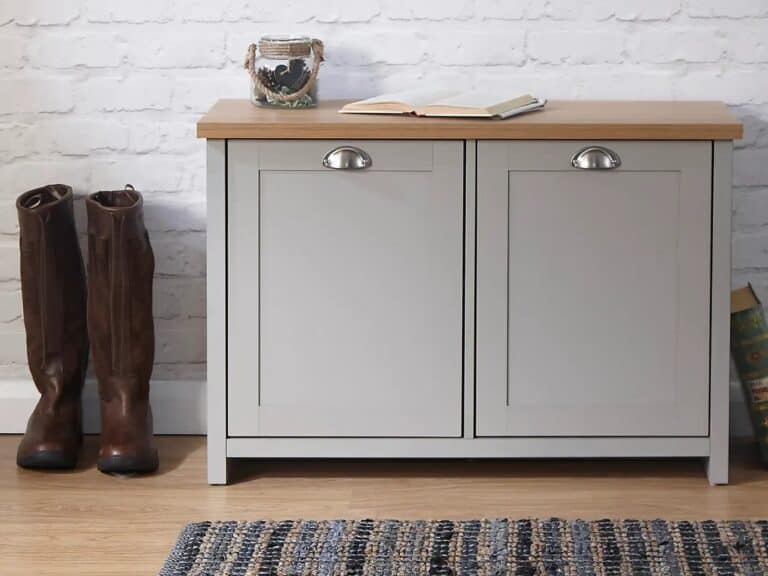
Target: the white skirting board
pixel 178 406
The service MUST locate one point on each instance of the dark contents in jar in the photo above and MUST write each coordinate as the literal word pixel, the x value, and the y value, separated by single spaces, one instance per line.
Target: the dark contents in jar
pixel 286 80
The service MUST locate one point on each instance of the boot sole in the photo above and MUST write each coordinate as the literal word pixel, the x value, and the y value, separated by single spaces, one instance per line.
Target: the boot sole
pixel 47 460
pixel 127 465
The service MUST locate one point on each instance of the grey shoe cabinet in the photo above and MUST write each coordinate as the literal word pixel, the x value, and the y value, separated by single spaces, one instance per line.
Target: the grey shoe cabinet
pixel 555 285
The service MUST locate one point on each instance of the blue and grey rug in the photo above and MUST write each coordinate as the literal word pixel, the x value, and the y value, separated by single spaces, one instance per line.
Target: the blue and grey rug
pixel 473 547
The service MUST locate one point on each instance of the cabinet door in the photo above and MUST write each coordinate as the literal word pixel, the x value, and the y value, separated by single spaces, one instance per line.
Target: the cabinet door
pixel 593 290
pixel 345 290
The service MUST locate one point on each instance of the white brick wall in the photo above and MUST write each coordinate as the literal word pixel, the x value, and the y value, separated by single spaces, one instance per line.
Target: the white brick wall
pixel 99 93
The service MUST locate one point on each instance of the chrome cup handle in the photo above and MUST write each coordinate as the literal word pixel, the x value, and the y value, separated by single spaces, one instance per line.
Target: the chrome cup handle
pixel 347 158
pixel 595 158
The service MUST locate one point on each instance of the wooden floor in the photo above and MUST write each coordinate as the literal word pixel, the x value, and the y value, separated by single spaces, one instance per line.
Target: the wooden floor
pixel 86 523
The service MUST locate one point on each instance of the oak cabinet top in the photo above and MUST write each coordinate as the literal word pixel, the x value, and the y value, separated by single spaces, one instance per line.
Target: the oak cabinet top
pixel 560 120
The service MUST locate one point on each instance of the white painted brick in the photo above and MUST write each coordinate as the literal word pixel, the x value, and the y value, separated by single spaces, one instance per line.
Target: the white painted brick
pixel 9 259
pixel 22 175
pixel 175 298
pixel 342 82
pixel 646 9
pixel 755 120
pixel 237 45
pixel 243 10
pixel 15 371
pixel 390 46
pixel 74 136
pixel 343 10
pixel 181 138
pixel 506 10
pixel 11 50
pixel 179 254
pixel 750 208
pixel 143 136
pixel 586 46
pixel 287 11
pixel 748 42
pixel 658 43
pixel 16 141
pixel 138 91
pixel 68 50
pixel 470 47
pixel 193 46
pixel 750 167
pixel 750 250
pixel 164 137
pixel 149 174
pixel 10 303
pixel 35 93
pixel 197 94
pixel 734 86
pixel 730 8
pixel 184 345
pixel 8 221
pixel 174 214
pixel 555 84
pixel 184 372
pixel 423 9
pixel 135 11
pixel 623 83
pixel 42 12
pixel 14 346
pixel 201 10
pixel 586 10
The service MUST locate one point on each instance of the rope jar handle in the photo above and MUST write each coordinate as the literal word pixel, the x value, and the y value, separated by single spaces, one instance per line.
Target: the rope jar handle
pixel 316 49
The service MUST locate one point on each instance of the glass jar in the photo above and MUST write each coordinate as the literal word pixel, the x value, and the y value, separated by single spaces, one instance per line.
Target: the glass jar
pixel 284 73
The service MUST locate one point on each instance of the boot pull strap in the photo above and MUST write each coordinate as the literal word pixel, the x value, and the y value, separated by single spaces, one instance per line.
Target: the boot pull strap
pixel 130 187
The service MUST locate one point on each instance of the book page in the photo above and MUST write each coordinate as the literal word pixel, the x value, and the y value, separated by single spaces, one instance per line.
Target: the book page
pixel 477 99
pixel 412 98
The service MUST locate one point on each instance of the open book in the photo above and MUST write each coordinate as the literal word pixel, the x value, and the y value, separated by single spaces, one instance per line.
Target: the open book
pixel 432 102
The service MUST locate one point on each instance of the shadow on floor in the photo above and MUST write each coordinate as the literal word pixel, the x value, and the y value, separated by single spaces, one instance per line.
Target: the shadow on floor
pixel 749 468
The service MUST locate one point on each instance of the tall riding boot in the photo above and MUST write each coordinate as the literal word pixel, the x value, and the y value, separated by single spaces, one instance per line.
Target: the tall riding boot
pixel 54 302
pixel 120 269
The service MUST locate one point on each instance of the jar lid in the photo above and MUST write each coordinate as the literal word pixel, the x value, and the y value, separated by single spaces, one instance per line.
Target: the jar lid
pixel 285 46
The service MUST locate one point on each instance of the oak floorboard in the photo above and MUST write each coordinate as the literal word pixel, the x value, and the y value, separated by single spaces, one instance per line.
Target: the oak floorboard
pixel 85 523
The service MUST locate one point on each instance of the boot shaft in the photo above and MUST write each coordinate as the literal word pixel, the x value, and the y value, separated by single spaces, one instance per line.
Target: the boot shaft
pixel 120 273
pixel 53 291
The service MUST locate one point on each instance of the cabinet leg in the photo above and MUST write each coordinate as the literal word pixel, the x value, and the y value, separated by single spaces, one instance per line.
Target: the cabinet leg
pixel 717 468
pixel 218 470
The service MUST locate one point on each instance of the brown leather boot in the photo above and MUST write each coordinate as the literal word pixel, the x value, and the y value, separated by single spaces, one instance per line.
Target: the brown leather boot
pixel 53 296
pixel 120 269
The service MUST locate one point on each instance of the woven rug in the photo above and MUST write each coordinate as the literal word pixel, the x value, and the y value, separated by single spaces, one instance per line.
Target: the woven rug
pixel 474 547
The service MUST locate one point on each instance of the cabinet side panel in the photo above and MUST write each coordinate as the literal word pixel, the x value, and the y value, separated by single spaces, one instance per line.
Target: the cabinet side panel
pixel 216 313
pixel 717 465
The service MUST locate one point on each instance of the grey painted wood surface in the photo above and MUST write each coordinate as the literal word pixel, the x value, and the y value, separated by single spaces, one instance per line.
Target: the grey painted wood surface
pixel 593 291
pixel 468 448
pixel 216 279
pixel 717 464
pixel 346 291
pixel 650 171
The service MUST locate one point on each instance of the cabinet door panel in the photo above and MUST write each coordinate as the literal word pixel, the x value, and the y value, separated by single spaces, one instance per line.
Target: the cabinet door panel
pixel 593 291
pixel 358 295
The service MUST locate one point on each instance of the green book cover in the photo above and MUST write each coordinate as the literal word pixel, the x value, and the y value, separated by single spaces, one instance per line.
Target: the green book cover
pixel 749 343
